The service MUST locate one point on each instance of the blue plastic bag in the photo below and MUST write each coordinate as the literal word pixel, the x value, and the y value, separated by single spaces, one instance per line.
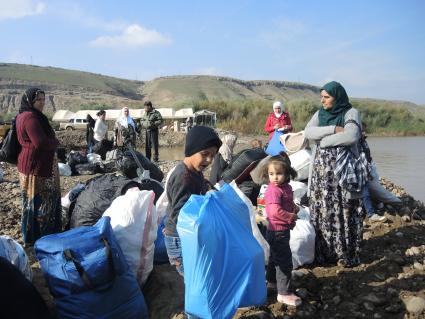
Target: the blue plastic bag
pixel 223 262
pixel 87 274
pixel 275 146
pixel 160 255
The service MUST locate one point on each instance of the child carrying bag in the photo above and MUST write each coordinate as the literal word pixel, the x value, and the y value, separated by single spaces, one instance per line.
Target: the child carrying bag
pixel 223 262
pixel 88 276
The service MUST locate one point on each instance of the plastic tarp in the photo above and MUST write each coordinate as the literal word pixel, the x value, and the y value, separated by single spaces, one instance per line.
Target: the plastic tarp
pixel 64 169
pixel 275 146
pixel 15 254
pixel 255 230
pixel 134 221
pixel 97 196
pixel 161 256
pixel 223 262
pixel 299 189
pixel 126 163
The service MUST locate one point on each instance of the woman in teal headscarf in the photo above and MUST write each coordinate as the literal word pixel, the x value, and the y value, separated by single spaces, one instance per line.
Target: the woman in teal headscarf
pixel 336 212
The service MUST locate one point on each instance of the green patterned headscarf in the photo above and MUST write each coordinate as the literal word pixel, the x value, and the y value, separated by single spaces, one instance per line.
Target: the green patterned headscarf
pixel 334 116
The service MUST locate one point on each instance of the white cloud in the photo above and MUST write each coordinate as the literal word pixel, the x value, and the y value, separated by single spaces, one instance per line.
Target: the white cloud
pixel 20 8
pixel 133 36
pixel 208 71
pixel 74 13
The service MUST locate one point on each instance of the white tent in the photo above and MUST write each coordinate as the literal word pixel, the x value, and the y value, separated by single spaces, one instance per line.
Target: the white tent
pixel 204 117
pixel 82 114
pixel 166 113
pixel 184 113
pixel 63 116
pixel 113 114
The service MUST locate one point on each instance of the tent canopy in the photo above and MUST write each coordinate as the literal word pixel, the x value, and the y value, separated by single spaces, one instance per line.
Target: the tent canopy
pixel 63 116
pixel 204 117
pixel 113 114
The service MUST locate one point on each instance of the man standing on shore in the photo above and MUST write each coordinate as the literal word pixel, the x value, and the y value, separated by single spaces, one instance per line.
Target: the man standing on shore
pixel 151 121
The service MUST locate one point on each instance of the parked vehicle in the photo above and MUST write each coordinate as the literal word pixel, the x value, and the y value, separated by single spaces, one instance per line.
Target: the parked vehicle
pixel 73 124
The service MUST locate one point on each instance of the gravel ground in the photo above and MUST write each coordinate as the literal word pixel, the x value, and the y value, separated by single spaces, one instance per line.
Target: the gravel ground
pixel 389 283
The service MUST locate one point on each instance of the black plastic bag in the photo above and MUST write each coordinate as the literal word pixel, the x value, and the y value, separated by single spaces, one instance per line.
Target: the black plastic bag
pixel 75 158
pixel 127 165
pixel 88 168
pixel 10 147
pixel 103 147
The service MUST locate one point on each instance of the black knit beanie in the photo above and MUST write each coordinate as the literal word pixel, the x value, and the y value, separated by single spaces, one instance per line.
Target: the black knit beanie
pixel 200 138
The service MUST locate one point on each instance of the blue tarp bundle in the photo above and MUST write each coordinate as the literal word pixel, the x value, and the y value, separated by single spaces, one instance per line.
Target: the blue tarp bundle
pixel 275 146
pixel 223 262
pixel 88 276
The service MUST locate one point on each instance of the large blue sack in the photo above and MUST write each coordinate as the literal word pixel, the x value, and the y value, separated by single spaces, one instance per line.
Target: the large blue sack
pixel 275 146
pixel 88 276
pixel 223 262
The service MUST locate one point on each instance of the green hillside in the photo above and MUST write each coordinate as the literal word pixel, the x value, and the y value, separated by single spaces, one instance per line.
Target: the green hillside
pixel 69 79
pixel 240 105
pixel 180 90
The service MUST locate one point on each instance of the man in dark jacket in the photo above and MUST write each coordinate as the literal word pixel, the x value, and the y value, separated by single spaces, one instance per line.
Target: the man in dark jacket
pixel 151 121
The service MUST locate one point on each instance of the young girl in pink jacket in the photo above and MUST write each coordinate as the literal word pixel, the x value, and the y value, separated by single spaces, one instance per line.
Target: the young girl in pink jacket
pixel 281 214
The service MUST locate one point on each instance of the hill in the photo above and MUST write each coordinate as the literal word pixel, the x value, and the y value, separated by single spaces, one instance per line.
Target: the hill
pixel 239 104
pixel 69 89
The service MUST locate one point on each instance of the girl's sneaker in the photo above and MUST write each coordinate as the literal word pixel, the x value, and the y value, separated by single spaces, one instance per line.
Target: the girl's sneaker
pixel 290 300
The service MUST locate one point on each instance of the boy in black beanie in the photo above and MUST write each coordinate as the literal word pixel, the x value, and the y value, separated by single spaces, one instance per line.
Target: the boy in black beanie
pixel 202 143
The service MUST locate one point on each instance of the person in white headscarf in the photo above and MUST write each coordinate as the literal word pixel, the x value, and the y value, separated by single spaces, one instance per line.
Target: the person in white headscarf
pixel 125 129
pixel 278 120
pixel 125 119
pixel 223 157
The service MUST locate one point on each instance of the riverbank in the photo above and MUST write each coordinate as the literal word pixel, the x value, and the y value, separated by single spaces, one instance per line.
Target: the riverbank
pixel 385 285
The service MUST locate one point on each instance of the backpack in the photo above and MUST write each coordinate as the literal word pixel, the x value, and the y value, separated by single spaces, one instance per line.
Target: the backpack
pixel 10 147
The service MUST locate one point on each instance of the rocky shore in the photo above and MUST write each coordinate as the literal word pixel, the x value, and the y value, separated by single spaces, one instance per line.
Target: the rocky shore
pixel 389 283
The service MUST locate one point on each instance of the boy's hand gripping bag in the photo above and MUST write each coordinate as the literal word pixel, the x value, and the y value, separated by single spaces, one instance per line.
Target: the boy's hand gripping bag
pixel 223 262
pixel 88 275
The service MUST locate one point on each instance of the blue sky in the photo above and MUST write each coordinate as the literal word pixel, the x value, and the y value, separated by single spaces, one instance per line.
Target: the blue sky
pixel 374 48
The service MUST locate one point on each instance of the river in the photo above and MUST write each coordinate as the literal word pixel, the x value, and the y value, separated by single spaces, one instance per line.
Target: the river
pixel 398 159
pixel 401 160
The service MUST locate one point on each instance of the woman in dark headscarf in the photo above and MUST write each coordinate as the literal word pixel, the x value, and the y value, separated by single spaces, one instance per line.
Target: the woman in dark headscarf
pixel 38 169
pixel 90 132
pixel 336 211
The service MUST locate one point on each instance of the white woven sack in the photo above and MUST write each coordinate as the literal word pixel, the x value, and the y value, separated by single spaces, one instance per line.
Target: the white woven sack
pixel 302 241
pixel 134 222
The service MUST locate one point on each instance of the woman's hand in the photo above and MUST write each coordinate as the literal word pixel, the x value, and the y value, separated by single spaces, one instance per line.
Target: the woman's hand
pixel 276 126
pixel 296 209
pixel 339 129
